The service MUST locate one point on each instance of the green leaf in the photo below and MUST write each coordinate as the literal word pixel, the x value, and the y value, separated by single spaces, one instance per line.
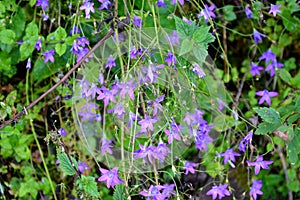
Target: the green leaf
pixel 202 35
pixel 285 75
pixel 119 193
pixel 200 53
pixel 18 22
pixel 66 165
pixel 266 127
pixel 42 70
pixel 293 148
pixel 229 14
pixel 31 30
pixel 60 49
pixel 32 3
pixel 29 187
pixel 289 22
pixel 7 36
pixel 270 115
pixel 186 46
pixel 184 29
pixel 11 98
pixel 26 49
pixel 89 185
pixel 60 33
pixel 290 64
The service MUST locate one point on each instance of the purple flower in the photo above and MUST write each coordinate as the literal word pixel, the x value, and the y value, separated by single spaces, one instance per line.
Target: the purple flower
pixel 137 21
pixel 147 123
pixel 275 9
pixel 248 12
pixel 174 39
pixel 82 41
pixel 187 20
pixel 181 2
pixel 133 52
pixel 106 4
pixel 255 69
pixel 220 191
pixel 92 91
pixel 81 53
pixel 117 110
pixel 45 17
pixel 74 30
pixel 202 139
pixel 88 112
pixel 170 59
pixel 255 189
pixel 107 95
pixel 258 36
pixel 62 132
pixel 88 6
pixel 198 70
pixel 162 150
pixel 222 104
pixel 154 193
pixel 272 67
pixel 43 3
pixel 156 104
pixel 245 141
pixel 207 12
pixel 82 166
pixel 149 152
pixel 38 44
pixel 132 117
pixel 161 3
pixel 20 42
pixel 174 132
pixel 229 154
pixel 127 88
pixel 189 167
pixel 168 190
pixel 110 177
pixel 106 147
pixel 265 96
pixel 110 62
pixel 150 73
pixel 49 56
pixel 267 56
pixel 28 65
pixel 259 163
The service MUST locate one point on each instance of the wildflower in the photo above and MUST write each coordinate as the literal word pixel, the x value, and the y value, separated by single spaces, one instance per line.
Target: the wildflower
pixel 105 4
pixel 132 117
pixel 272 67
pixel 82 41
pixel 107 95
pixel 181 2
pixel 229 154
pixel 88 112
pixel 88 6
pixel 106 147
pixel 149 152
pixel 133 52
pixel 174 132
pixel 147 123
pixel 118 110
pixel 156 104
pixel 49 56
pixel 162 150
pixel 151 73
pixel 127 88
pixel 187 20
pixel 110 177
pixel 221 103
pixel 207 12
pixel 38 44
pixel 265 96
pixel 81 53
pixel 154 193
pixel 137 21
pixel 255 69
pixel 202 139
pixel 28 65
pixel 168 190
pixel 245 141
pixel 275 9
pixel 62 132
pixel 170 59
pixel 198 70
pixel 82 166
pixel 161 3
pixel 174 39
pixel 259 163
pixel 220 191
pixel 110 62
pixel 189 167
pixel 45 17
pixel 248 12
pixel 92 91
pixel 43 3
pixel 255 189
pixel 258 36
pixel 74 30
pixel 267 56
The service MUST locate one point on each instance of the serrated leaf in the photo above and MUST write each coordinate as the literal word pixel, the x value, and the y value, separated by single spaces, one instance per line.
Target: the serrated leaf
pixel 293 148
pixel 119 193
pixel 7 36
pixel 60 49
pixel 89 185
pixel 200 53
pixel 186 46
pixel 266 127
pixel 184 30
pixel 270 115
pixel 202 35
pixel 66 165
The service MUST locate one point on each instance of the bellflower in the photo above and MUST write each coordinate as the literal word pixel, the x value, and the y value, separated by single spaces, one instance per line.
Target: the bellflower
pixel 248 12
pixel 161 3
pixel 229 154
pixel 132 117
pixel 127 88
pixel 107 95
pixel 198 70
pixel 45 17
pixel 207 12
pixel 106 147
pixel 110 62
pixel 174 39
pixel 220 191
pixel 202 140
pixel 267 56
pixel 189 167
pixel 137 21
pixel 38 44
pixel 62 132
pixel 28 65
pixel 255 69
pixel 43 3
pixel 258 36
pixel 74 30
pixel 154 192
pixel 148 152
pixel 49 56
pixel 170 59
pixel 147 123
pixel 156 104
pixel 133 52
pixel 82 41
pixel 181 2
pixel 105 4
pixel 88 6
pixel 245 141
pixel 168 190
pixel 255 189
pixel 174 132
pixel 265 96
pixel 187 20
pixel 110 177
pixel 162 150
pixel 259 163
pixel 275 9
pixel 88 112
pixel 81 53
pixel 82 166
pixel 118 110
pixel 272 67
pixel 150 73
